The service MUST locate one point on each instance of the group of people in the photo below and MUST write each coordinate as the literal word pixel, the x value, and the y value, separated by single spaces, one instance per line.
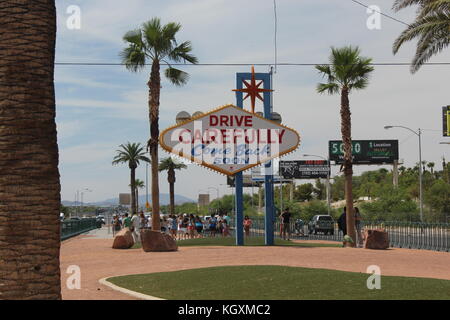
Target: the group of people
pixel 180 227
pixel 342 224
pixel 189 226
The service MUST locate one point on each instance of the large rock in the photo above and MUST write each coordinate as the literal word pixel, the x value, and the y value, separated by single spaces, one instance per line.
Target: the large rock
pixel 376 239
pixel 157 241
pixel 123 239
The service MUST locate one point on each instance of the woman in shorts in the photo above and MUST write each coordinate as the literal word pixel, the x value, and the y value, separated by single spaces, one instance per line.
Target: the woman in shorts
pixel 247 225
pixel 198 226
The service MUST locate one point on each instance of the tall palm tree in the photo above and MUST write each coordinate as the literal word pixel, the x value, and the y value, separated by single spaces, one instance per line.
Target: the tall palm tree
pixel 29 176
pixel 156 44
pixel 347 71
pixel 431 27
pixel 170 166
pixel 139 184
pixel 131 153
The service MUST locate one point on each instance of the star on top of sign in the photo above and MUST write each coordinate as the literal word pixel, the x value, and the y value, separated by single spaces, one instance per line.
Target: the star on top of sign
pixel 253 90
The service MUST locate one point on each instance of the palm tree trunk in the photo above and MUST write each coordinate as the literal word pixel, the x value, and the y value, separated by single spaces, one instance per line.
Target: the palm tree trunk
pixel 137 200
pixel 171 180
pixel 29 176
pixel 346 132
pixel 155 87
pixel 133 189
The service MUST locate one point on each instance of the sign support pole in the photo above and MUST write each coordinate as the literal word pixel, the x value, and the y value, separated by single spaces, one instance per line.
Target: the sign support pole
pixel 238 178
pixel 269 194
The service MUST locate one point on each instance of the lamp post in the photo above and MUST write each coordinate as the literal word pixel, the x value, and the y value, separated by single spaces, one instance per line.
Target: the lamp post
pixel 82 193
pixel 418 134
pixel 328 180
pixel 217 190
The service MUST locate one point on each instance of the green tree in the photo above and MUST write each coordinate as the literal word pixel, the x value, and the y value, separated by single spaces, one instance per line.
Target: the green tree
pixel 132 154
pixel 347 71
pixel 304 192
pixel 156 44
pixel 170 166
pixel 312 208
pixel 431 28
pixel 320 190
pixel 437 198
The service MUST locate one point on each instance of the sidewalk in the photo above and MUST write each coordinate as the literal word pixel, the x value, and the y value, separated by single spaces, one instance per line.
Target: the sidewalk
pixel 97 260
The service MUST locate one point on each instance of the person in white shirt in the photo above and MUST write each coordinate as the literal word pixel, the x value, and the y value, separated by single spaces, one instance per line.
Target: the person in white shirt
pixel 135 226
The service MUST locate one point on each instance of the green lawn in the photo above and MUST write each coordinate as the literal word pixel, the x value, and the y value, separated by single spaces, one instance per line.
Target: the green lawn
pixel 278 282
pixel 252 241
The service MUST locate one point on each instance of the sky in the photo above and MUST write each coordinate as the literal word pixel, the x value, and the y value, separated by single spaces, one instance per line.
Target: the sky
pixel 101 107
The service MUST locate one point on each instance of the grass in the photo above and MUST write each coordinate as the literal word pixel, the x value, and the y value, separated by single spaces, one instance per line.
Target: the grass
pixel 279 282
pixel 251 241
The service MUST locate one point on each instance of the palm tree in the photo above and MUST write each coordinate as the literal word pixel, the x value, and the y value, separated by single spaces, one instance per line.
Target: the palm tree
pixel 157 44
pixel 131 153
pixel 346 72
pixel 29 179
pixel 431 166
pixel 431 27
pixel 170 166
pixel 139 184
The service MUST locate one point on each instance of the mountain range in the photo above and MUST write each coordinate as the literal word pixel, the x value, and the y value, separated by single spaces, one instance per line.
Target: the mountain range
pixel 163 200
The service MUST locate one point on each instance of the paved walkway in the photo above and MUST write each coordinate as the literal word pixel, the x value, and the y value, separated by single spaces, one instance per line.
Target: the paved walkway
pixel 94 255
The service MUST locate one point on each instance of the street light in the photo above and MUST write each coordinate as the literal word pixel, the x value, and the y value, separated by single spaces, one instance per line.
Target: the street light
pixel 82 193
pixel 328 179
pixel 419 133
pixel 217 190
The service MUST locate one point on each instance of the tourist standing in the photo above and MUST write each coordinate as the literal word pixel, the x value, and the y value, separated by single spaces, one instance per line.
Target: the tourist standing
pixel 135 227
pixel 342 222
pixel 127 221
pixel 286 220
pixel 116 225
pixel 358 226
pixel 212 225
pixel 247 225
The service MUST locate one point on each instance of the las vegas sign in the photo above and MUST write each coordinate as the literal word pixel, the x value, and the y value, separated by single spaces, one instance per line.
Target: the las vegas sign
pixel 229 140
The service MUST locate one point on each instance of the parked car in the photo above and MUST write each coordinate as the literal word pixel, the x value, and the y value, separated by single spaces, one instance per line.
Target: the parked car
pixel 321 223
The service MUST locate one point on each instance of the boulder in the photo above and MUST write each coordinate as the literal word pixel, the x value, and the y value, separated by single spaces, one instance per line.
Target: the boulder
pixel 123 239
pixel 376 239
pixel 157 241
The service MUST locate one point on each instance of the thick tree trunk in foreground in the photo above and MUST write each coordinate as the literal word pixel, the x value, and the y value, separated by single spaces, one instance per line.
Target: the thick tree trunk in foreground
pixel 348 170
pixel 155 88
pixel 29 177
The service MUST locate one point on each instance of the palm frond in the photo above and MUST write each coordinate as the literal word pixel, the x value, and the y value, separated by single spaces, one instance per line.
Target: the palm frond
pixel 330 88
pixel 182 52
pixel 176 76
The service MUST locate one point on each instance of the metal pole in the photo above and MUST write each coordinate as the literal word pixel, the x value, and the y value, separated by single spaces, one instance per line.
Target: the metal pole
pixel 329 188
pixel 269 203
pixel 281 194
pixel 146 185
pixel 420 177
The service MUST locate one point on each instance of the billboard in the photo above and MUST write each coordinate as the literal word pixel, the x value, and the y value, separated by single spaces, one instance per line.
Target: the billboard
pixel 203 200
pixel 446 121
pixel 308 169
pixel 365 151
pixel 125 199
